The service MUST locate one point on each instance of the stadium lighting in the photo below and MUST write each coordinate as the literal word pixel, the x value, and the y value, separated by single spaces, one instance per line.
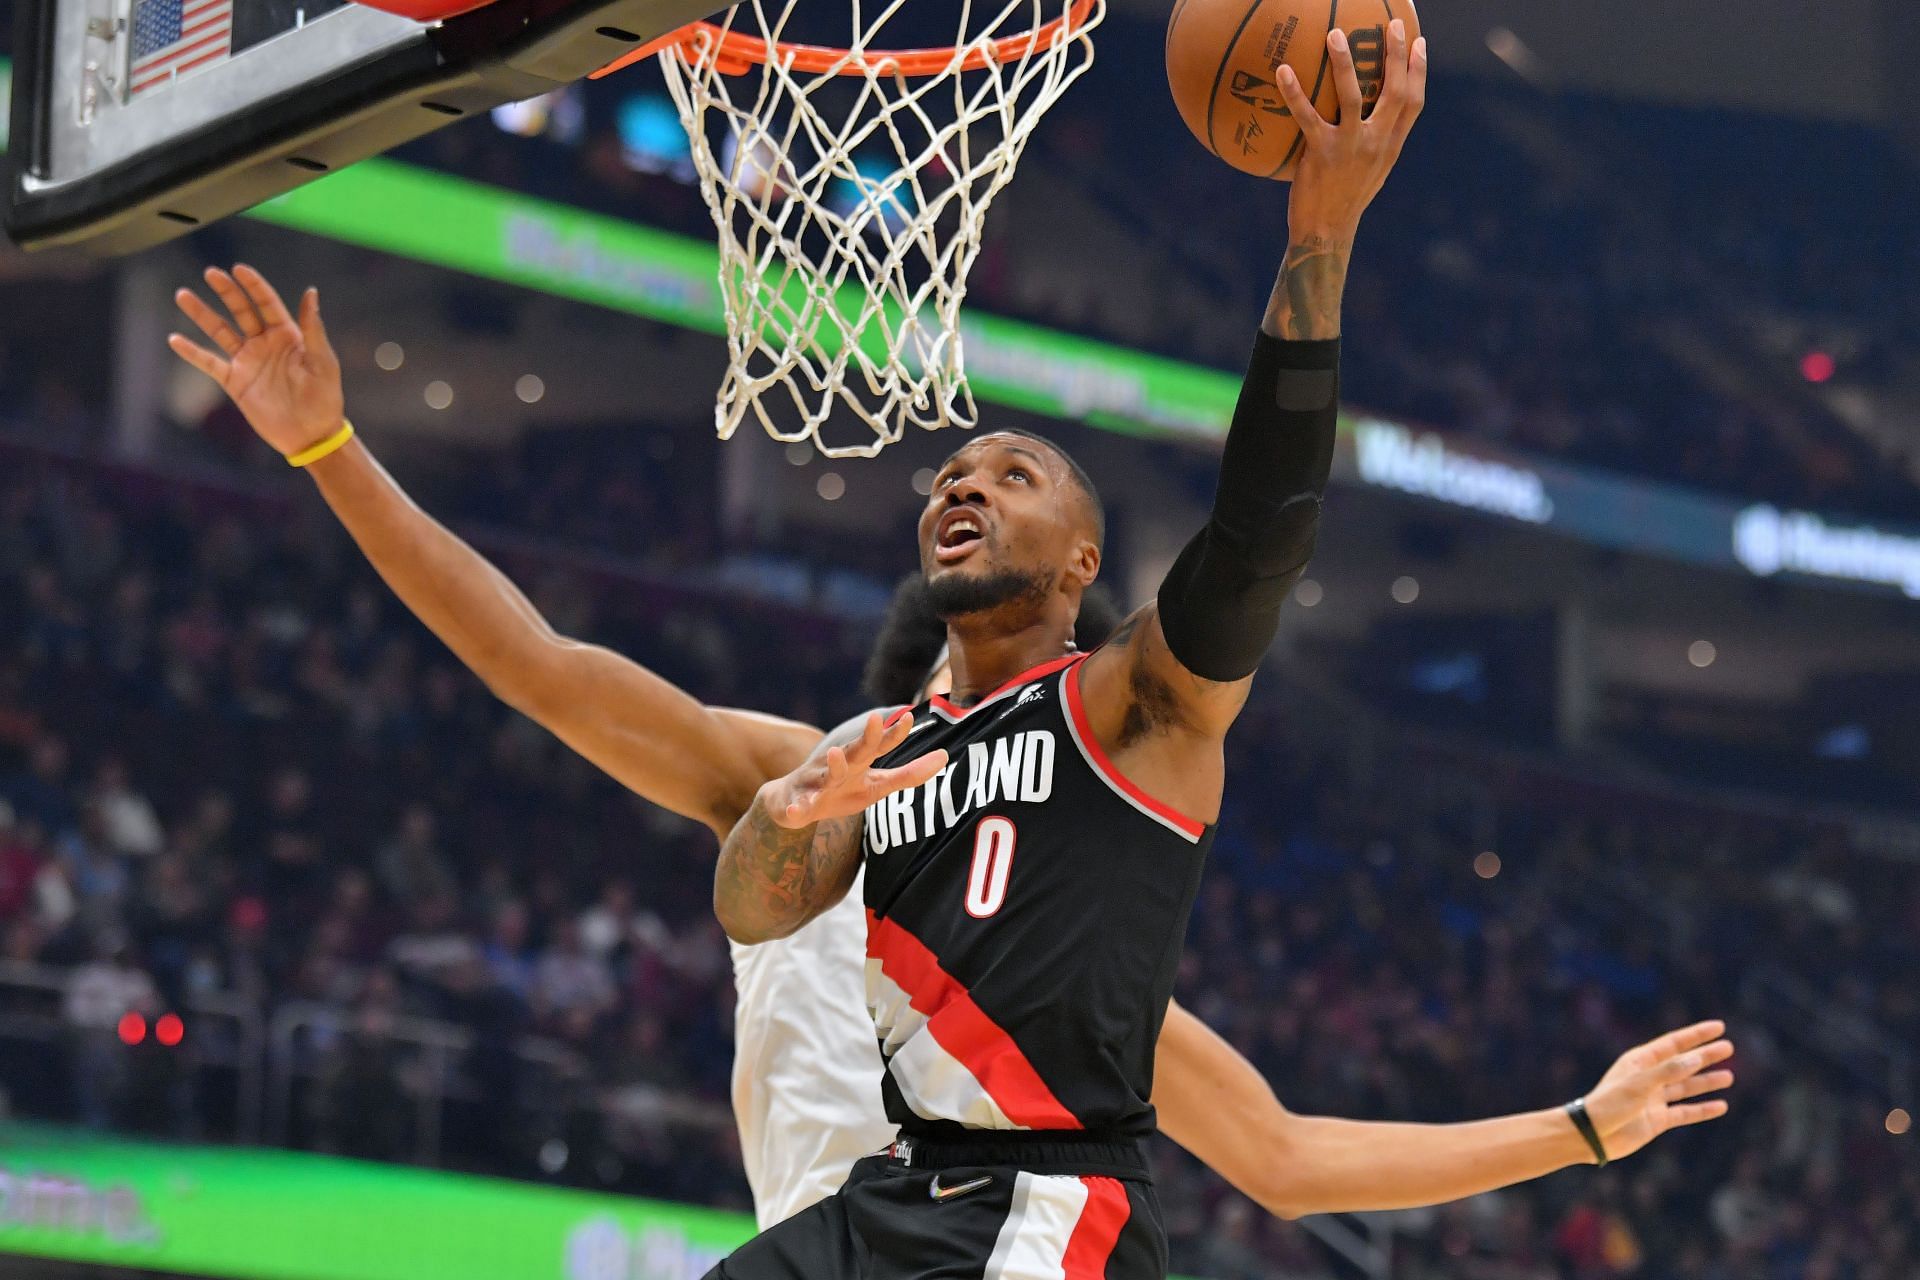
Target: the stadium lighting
pixel 529 388
pixel 132 1028
pixel 1898 1121
pixel 169 1030
pixel 1817 367
pixel 1503 44
pixel 1308 593
pixel 1701 653
pixel 830 486
pixel 1406 589
pixel 389 356
pixel 439 395
pixel 799 453
pixel 923 481
pixel 1486 865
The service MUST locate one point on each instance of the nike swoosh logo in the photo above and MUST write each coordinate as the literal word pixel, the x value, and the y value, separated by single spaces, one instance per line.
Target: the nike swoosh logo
pixel 958 1189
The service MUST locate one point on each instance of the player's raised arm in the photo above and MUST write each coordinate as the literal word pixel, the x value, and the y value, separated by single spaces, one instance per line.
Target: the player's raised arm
pixel 1215 1104
pixel 795 852
pixel 1187 658
pixel 281 372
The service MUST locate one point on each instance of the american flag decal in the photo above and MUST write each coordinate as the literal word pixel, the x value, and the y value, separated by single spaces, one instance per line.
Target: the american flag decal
pixel 172 36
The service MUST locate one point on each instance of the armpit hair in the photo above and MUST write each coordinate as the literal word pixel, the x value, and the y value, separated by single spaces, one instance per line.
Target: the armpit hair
pixel 1151 704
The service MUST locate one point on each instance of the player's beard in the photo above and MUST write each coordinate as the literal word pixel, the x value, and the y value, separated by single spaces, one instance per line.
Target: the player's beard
pixel 958 595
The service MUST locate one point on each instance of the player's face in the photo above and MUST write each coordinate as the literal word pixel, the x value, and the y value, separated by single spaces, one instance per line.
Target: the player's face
pixel 1000 509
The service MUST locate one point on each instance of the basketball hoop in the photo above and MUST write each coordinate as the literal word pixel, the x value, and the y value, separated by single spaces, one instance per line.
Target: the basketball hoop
pixel 850 188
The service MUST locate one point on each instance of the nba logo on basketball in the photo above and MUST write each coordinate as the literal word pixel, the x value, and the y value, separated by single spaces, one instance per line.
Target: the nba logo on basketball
pixel 1257 92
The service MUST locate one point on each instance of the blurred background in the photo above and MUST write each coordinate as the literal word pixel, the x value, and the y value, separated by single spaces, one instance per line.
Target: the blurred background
pixel 1597 713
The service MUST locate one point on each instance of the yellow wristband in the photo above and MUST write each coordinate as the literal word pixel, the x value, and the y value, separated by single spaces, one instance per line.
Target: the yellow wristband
pixel 307 457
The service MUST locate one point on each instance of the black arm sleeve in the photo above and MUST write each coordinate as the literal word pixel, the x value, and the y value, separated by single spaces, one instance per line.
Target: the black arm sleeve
pixel 1220 603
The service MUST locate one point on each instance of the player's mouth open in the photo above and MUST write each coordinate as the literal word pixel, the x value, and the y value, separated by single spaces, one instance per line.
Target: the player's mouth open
pixel 958 534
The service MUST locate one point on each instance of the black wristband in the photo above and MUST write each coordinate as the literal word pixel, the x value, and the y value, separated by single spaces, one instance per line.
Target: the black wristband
pixel 1577 1112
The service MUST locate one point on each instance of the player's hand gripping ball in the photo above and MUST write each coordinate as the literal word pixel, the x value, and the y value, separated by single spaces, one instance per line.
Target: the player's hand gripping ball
pixel 1223 57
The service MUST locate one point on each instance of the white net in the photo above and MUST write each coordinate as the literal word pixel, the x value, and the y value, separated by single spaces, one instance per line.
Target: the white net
pixel 850 190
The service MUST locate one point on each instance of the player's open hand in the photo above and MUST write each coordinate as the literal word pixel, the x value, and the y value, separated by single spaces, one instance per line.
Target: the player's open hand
pixel 844 781
pixel 1653 1087
pixel 1343 165
pixel 281 373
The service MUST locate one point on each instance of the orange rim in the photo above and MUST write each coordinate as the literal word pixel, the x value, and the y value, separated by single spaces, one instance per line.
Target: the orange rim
pixel 739 53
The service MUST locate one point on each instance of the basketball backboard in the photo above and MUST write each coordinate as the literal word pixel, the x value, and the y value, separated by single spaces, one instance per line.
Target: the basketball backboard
pixel 135 121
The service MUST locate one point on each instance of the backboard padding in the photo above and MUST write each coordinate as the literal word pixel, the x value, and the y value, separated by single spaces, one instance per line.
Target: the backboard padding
pixel 419 79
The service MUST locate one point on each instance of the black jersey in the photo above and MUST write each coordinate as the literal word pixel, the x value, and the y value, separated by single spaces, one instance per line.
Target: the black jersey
pixel 1025 913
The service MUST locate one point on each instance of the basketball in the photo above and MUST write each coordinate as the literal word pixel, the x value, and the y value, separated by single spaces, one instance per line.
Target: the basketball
pixel 1222 56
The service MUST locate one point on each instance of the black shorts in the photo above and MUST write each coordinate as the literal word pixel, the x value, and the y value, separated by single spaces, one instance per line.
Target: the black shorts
pixel 1012 1211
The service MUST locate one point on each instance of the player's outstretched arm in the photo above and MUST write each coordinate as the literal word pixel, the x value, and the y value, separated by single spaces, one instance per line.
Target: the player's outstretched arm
pixel 1187 658
pixel 281 372
pixel 793 855
pixel 1212 1102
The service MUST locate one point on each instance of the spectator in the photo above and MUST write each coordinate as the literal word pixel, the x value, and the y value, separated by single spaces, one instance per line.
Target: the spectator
pixel 128 823
pixel 613 923
pixel 99 873
pixel 42 793
pixel 359 1106
pixel 411 865
pixel 19 866
pixel 99 994
pixel 508 957
pixel 170 915
pixel 1741 1210
pixel 571 985
pixel 434 945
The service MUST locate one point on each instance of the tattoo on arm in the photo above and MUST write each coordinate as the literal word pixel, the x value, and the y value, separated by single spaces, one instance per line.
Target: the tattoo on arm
pixel 772 880
pixel 1306 297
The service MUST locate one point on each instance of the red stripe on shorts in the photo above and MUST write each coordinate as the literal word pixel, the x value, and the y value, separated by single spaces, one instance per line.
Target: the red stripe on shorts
pixel 1098 1230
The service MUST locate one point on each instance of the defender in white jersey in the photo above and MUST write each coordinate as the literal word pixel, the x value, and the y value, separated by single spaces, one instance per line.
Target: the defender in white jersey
pixel 807 1076
pixel 806 1069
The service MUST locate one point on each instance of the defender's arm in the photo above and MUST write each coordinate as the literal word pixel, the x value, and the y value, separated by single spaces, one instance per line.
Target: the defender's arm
pixel 1215 1104
pixel 282 374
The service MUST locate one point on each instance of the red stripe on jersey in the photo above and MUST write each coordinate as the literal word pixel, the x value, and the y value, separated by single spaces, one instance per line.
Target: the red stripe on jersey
pixel 964 1030
pixel 1192 829
pixel 1097 1231
pixel 939 701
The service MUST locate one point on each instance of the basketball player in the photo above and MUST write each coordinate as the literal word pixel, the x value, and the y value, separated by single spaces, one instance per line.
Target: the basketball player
pixel 1032 843
pixel 807 1076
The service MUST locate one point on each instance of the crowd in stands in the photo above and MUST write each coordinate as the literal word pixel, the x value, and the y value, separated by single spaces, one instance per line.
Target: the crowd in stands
pixel 230 762
pixel 1556 303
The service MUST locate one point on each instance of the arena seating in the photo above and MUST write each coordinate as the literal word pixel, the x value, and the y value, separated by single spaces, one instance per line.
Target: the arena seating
pixel 338 821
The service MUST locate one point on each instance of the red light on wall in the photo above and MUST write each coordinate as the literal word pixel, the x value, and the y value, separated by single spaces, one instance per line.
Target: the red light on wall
pixel 169 1030
pixel 1816 366
pixel 132 1028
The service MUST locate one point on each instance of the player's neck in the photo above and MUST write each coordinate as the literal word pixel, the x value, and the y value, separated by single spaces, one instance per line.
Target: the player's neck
pixel 986 656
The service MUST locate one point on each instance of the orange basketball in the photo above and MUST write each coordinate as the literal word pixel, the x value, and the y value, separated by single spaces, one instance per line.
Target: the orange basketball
pixel 1222 56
